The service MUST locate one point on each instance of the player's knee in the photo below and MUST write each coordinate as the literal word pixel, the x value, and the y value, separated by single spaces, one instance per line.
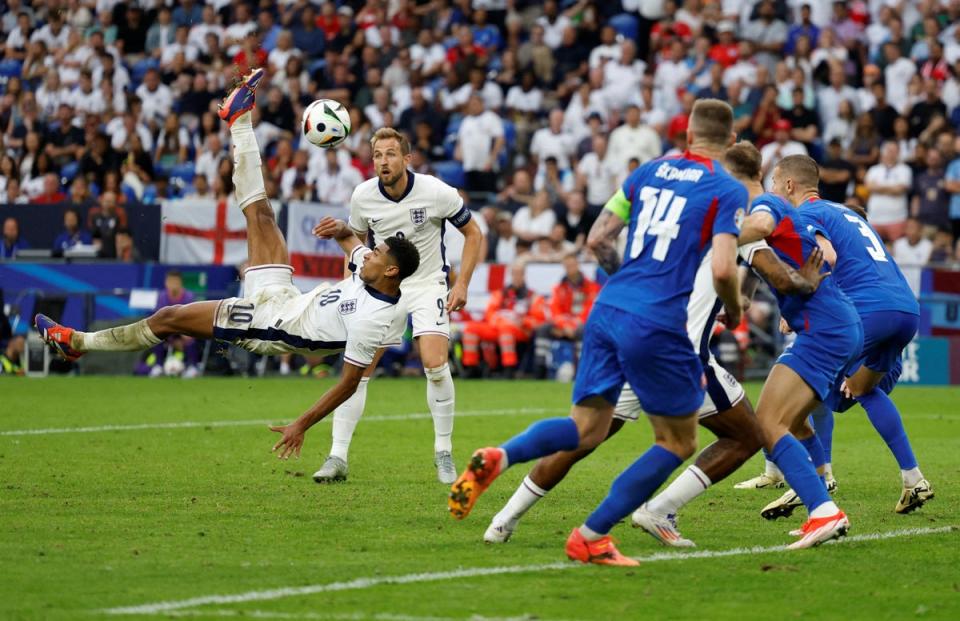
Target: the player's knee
pixel 165 318
pixel 436 373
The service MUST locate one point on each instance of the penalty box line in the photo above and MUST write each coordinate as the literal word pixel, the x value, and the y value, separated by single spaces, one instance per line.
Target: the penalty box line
pixel 160 608
pixel 244 423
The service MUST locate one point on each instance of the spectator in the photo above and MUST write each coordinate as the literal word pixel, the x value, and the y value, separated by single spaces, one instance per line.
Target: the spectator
pixel 806 28
pixel 631 140
pixel 64 141
pixel 51 191
pixel 503 246
pixel 931 200
pixel 554 247
pixel 552 141
pixel 864 151
pixel 336 183
pixel 80 192
pixel 518 193
pixel 843 127
pixel 923 113
pixel 11 239
pixel 11 358
pixel 621 79
pixel 479 142
pixel 768 35
pixel 157 98
pixel 781 147
pixel 595 177
pixel 125 251
pixel 512 315
pixel 8 172
pixel 889 183
pixel 72 234
pixel 912 252
pixel 829 97
pixel 104 221
pixel 884 115
pixel 836 173
pixel 556 182
pixel 804 121
pixel 535 221
pixel 570 304
pixel 942 251
pixel 898 72
pixel 185 348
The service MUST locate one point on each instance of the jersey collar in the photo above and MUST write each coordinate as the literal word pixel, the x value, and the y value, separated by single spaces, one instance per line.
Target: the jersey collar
pixel 383 297
pixel 406 192
pixel 706 161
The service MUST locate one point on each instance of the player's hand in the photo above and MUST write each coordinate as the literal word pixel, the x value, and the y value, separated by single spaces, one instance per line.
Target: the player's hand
pixel 457 298
pixel 785 327
pixel 330 228
pixel 731 318
pixel 745 303
pixel 290 443
pixel 846 390
pixel 810 270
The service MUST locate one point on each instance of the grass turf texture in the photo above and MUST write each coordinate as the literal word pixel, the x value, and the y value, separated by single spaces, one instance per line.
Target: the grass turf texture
pixel 127 517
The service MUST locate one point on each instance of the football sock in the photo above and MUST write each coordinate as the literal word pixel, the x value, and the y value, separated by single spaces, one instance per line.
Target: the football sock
pixel 589 534
pixel 799 472
pixel 911 477
pixel 886 420
pixel 769 468
pixel 440 397
pixel 527 495
pixel 691 483
pixel 247 166
pixel 345 419
pixel 822 419
pixel 814 450
pixel 544 437
pixel 131 337
pixel 825 510
pixel 632 488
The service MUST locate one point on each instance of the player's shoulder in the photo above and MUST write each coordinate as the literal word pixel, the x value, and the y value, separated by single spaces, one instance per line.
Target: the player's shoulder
pixel 367 189
pixel 769 200
pixel 423 182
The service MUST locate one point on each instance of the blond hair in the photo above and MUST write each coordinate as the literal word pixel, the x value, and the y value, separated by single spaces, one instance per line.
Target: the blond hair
pixel 802 169
pixel 389 133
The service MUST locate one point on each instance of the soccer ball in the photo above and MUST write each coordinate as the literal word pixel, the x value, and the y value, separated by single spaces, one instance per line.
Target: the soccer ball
pixel 326 123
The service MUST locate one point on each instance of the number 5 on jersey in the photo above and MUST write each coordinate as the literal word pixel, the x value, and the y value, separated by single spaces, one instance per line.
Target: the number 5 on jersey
pixel 659 216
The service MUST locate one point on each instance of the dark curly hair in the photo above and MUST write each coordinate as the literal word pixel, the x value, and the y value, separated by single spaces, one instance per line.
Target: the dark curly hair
pixel 404 254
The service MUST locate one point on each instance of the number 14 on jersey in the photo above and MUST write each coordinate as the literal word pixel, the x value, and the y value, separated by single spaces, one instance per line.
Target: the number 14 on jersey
pixel 659 216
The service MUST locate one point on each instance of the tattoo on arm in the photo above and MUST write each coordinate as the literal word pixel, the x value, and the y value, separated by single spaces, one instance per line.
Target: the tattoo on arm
pixel 602 240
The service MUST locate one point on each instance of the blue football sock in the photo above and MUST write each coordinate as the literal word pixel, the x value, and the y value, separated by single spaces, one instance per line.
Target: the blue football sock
pixel 814 450
pixel 792 458
pixel 823 424
pixel 886 420
pixel 542 438
pixel 633 487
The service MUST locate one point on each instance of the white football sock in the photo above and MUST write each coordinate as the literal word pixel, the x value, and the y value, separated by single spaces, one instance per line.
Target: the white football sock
pixel 828 469
pixel 131 337
pixel 345 419
pixel 247 165
pixel 527 495
pixel 825 510
pixel 440 397
pixel 772 470
pixel 691 483
pixel 589 534
pixel 911 477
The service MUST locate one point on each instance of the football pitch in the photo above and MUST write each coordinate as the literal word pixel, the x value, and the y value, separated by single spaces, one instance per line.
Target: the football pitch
pixel 132 498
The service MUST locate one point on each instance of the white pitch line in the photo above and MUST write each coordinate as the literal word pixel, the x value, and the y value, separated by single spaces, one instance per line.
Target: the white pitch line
pixel 333 616
pixel 367 583
pixel 243 423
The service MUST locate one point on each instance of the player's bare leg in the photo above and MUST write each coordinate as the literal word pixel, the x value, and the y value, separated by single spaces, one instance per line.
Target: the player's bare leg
pixel 194 320
pixel 738 439
pixel 546 474
pixel 785 400
pixel 434 352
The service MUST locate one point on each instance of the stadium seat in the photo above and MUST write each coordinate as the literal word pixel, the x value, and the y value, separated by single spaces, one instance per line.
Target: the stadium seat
pixel 626 24
pixel 185 172
pixel 10 69
pixel 69 171
pixel 451 172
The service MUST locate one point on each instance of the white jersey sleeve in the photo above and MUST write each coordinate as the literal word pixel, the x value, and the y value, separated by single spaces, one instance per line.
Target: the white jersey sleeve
pixel 365 336
pixel 748 250
pixel 450 206
pixel 357 219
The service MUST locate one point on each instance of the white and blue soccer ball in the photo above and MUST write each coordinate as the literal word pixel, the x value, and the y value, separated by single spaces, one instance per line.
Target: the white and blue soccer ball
pixel 173 366
pixel 326 123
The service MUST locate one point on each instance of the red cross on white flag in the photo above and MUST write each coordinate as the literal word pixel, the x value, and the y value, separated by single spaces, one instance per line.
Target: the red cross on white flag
pixel 203 232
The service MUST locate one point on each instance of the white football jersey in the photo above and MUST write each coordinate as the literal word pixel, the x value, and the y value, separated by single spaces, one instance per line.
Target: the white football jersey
pixel 704 304
pixel 419 215
pixel 349 315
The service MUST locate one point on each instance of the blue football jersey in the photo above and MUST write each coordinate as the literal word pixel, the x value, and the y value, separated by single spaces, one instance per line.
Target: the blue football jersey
pixel 673 206
pixel 865 271
pixel 827 307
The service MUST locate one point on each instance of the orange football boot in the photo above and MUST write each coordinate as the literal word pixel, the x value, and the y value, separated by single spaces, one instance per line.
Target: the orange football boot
pixel 599 552
pixel 483 469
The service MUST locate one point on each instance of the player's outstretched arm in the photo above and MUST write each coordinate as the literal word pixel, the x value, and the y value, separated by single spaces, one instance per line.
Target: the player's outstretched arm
pixel 784 278
pixel 292 439
pixel 602 239
pixel 339 231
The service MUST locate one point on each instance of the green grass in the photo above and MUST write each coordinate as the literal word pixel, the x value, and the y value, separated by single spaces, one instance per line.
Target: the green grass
pixel 119 518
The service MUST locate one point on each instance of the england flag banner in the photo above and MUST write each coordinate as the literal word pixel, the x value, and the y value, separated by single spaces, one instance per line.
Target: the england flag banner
pixel 314 260
pixel 202 231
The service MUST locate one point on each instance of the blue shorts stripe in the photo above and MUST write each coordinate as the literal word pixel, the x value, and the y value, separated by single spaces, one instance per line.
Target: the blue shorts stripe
pixel 231 335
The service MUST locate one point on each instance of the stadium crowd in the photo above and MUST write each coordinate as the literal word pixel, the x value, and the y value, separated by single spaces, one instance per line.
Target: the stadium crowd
pixel 535 110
